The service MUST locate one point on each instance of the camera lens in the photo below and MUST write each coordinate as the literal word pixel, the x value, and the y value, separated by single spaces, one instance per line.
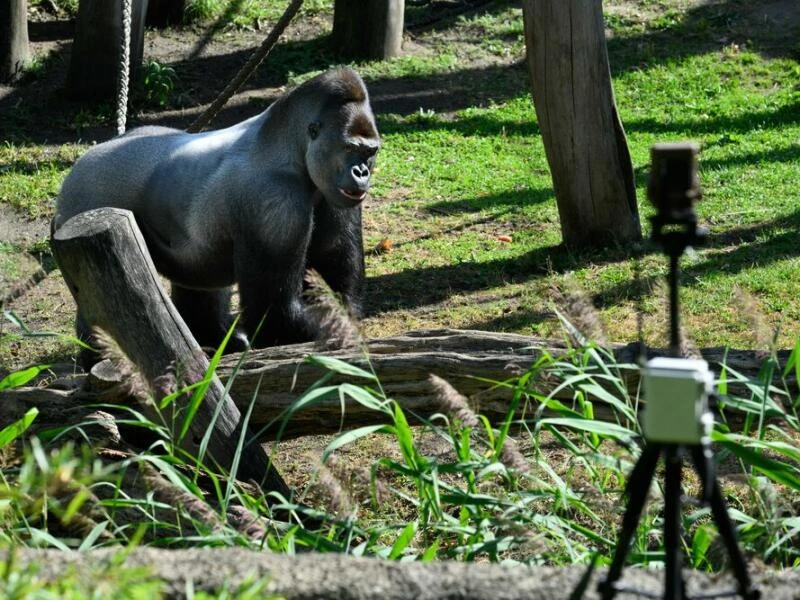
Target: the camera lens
pixel 673 187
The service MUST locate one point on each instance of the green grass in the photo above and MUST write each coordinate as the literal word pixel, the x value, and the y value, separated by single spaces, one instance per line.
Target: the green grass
pixel 244 13
pixel 31 175
pixel 545 489
pixel 469 175
pixel 450 183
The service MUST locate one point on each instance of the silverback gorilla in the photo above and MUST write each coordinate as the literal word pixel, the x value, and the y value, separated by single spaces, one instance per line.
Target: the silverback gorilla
pixel 255 204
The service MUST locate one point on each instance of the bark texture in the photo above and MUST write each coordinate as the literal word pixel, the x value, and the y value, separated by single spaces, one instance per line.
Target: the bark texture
pixel 14 49
pixel 273 378
pixel 108 270
pixel 581 130
pixel 96 51
pixel 371 30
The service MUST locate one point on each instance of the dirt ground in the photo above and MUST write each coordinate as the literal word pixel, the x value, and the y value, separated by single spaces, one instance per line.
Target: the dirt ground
pixel 35 111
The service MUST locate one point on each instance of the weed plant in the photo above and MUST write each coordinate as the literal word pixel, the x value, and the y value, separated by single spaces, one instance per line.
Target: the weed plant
pixel 545 486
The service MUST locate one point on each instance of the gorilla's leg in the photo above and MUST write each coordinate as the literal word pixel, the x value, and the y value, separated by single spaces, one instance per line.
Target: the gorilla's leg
pixel 87 358
pixel 207 314
pixel 336 251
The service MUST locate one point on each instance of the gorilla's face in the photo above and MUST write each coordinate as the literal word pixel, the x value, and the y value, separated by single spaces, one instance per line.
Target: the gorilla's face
pixel 341 154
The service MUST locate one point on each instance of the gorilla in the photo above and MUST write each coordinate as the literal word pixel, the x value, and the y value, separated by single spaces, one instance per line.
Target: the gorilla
pixel 255 204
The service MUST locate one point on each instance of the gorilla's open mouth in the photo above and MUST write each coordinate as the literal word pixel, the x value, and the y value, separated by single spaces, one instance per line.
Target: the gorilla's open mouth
pixel 353 194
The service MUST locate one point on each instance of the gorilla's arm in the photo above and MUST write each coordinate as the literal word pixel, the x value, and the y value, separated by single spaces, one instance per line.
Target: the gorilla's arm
pixel 336 251
pixel 270 277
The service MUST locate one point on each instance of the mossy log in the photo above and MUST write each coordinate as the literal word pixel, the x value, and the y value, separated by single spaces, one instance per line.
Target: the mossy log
pixel 273 378
pixel 337 576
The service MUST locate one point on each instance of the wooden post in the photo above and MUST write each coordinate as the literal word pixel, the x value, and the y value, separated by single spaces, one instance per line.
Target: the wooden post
pixel 105 263
pixel 96 51
pixel 581 130
pixel 368 29
pixel 14 50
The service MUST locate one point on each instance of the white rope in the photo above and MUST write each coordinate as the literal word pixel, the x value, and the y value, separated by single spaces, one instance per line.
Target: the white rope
pixel 124 67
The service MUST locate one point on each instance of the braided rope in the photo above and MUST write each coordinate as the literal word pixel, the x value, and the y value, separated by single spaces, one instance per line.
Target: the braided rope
pixel 123 82
pixel 248 69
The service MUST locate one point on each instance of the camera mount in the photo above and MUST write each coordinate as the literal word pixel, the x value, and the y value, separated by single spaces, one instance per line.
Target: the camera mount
pixel 676 419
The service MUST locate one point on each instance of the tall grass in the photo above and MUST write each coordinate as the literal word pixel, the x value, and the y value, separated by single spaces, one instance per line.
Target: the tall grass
pixel 544 486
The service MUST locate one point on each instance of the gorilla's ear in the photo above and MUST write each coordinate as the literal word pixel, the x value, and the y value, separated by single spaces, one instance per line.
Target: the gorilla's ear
pixel 313 129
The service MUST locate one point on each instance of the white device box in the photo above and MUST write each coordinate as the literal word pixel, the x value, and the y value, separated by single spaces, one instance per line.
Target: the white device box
pixel 676 400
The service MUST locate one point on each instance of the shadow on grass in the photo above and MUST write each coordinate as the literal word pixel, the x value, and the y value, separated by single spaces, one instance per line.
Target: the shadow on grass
pixel 755 245
pixel 437 15
pixel 702 28
pixel 430 285
pixel 764 119
pixel 513 200
pixel 767 27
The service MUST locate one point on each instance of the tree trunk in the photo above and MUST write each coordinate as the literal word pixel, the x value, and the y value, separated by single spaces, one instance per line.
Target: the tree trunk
pixel 105 263
pixel 97 49
pixel 162 13
pixel 581 130
pixel 14 50
pixel 368 30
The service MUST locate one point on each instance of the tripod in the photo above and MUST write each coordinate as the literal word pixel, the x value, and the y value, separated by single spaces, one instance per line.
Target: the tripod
pixel 675 228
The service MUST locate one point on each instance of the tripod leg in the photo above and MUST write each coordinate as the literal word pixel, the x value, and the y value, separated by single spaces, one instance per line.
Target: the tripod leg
pixel 636 491
pixel 702 456
pixel 673 578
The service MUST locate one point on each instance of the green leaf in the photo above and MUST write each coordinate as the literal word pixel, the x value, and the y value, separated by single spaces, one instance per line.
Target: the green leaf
pixel 11 432
pixel 611 430
pixel 365 397
pixel 793 362
pixel 404 436
pixel 430 552
pixel 20 378
pixel 777 471
pixel 351 436
pixel 339 366
pixel 604 395
pixel 701 542
pixel 403 540
pixel 93 536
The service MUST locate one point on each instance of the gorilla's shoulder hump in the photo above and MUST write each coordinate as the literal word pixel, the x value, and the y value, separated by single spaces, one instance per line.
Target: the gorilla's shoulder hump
pixel 151 130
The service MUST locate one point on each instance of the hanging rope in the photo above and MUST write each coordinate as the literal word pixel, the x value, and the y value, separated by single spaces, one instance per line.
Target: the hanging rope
pixel 123 82
pixel 248 69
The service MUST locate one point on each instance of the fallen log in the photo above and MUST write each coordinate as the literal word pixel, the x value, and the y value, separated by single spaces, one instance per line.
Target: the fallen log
pixel 273 378
pixel 337 576
pixel 106 265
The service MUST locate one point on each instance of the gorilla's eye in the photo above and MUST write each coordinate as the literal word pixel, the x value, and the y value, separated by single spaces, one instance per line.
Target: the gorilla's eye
pixel 313 129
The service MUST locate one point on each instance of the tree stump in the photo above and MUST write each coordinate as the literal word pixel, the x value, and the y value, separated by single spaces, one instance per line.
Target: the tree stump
pixel 108 270
pixel 371 30
pixel 14 50
pixel 97 49
pixel 581 130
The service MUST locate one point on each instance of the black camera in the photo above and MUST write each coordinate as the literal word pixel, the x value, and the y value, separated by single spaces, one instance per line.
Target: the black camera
pixel 674 187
